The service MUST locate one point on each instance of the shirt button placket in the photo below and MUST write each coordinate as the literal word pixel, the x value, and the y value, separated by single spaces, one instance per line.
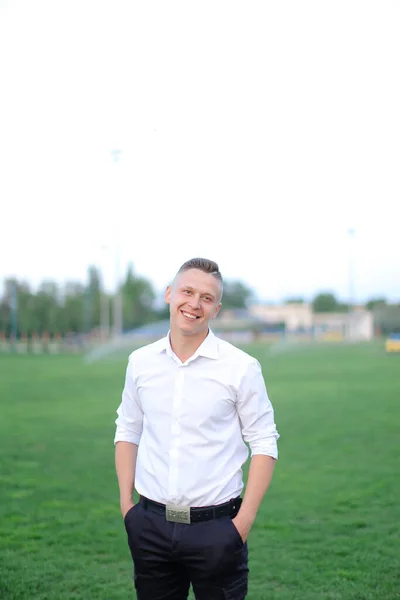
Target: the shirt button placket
pixel 175 435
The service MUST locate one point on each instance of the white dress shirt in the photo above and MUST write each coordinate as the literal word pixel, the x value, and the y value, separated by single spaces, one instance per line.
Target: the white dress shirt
pixel 190 421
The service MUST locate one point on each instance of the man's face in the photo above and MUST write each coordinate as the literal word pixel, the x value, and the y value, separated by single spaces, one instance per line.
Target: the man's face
pixel 194 299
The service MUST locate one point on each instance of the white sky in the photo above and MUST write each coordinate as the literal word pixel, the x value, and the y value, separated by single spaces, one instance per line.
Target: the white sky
pixel 252 133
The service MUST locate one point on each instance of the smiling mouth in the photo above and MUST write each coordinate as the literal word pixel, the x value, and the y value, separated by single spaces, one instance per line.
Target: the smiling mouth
pixel 189 316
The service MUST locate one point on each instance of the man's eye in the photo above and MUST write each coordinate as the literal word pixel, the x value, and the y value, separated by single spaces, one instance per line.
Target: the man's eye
pixel 207 299
pixel 186 291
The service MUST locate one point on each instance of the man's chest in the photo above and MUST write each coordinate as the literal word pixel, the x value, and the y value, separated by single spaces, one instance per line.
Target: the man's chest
pixel 198 395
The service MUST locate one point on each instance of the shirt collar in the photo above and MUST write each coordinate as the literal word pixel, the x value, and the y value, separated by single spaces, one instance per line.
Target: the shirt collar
pixel 208 348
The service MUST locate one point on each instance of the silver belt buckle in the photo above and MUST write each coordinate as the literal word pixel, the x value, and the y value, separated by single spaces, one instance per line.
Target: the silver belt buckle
pixel 176 513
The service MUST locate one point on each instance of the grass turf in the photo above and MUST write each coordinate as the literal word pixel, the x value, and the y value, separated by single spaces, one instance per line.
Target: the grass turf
pixel 328 527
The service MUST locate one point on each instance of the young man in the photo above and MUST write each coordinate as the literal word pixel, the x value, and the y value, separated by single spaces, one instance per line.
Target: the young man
pixel 189 404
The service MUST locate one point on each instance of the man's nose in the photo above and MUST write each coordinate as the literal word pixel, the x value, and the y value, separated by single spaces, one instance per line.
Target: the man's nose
pixel 195 301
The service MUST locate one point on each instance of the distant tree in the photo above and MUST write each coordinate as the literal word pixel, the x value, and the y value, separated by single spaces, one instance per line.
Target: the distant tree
pixel 25 308
pixel 295 300
pixel 138 300
pixel 162 314
pixel 4 315
pixel 44 313
pixel 5 305
pixel 387 318
pixel 376 303
pixel 21 293
pixel 325 302
pixel 236 295
pixel 342 307
pixel 72 309
pixel 92 299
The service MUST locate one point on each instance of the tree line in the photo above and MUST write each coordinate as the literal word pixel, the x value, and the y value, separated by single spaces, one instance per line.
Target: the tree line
pixel 83 307
pixel 327 302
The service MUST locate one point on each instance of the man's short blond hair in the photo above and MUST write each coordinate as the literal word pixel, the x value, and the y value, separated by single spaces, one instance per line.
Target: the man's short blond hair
pixel 202 264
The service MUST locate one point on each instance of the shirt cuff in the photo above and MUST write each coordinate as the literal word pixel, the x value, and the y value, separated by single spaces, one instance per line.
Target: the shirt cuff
pixel 127 436
pixel 265 450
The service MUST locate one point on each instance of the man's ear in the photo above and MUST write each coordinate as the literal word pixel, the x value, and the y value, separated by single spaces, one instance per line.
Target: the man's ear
pixel 167 295
pixel 218 308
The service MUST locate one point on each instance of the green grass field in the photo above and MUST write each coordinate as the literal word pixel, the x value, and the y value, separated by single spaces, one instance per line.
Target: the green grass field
pixel 328 527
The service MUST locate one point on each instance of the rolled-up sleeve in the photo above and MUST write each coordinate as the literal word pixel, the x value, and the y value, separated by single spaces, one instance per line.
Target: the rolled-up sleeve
pixel 130 415
pixel 256 413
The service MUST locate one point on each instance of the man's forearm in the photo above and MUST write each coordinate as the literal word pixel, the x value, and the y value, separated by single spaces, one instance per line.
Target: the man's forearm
pixel 259 479
pixel 125 464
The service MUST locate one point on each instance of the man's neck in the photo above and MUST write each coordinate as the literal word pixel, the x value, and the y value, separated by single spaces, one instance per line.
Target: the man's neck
pixel 184 346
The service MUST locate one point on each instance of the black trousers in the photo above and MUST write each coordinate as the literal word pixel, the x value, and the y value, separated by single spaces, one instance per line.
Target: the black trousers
pixel 168 557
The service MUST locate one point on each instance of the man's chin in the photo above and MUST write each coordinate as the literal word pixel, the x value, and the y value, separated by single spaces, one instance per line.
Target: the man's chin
pixel 189 329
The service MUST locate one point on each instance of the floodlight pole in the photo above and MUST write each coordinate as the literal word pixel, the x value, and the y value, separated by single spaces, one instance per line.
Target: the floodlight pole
pixel 13 311
pixel 117 306
pixel 351 233
pixel 104 308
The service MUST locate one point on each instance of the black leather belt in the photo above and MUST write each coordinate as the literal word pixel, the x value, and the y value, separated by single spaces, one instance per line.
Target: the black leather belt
pixel 194 515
